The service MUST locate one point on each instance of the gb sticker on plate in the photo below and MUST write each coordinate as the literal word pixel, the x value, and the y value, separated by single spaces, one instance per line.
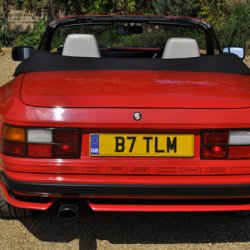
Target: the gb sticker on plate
pixel 94 144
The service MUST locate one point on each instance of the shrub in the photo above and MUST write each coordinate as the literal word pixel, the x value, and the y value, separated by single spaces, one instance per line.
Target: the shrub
pixel 234 28
pixel 32 36
pixel 8 35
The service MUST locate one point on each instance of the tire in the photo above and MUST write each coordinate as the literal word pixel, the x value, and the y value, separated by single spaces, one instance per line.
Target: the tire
pixel 8 211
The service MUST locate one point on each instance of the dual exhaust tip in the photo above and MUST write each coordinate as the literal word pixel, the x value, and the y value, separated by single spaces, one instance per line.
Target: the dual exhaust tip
pixel 68 213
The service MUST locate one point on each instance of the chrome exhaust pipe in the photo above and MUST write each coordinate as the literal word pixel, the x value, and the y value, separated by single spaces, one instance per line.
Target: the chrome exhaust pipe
pixel 68 213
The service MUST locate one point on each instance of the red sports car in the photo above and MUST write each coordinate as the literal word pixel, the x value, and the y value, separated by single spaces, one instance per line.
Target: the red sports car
pixel 126 113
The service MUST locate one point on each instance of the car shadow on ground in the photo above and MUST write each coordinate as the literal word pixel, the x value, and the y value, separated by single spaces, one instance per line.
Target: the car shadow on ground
pixel 142 228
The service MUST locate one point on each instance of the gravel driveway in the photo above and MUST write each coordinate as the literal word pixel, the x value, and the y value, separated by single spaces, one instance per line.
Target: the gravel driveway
pixel 156 231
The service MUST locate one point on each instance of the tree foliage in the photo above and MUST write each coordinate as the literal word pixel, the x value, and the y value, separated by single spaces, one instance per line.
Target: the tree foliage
pixel 176 7
pixel 234 27
pixel 229 17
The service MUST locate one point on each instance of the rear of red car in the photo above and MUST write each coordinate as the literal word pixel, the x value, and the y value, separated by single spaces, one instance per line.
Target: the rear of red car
pixel 172 141
pixel 130 128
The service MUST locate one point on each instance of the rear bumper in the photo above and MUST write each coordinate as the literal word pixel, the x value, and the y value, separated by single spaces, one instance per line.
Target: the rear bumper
pixel 90 190
pixel 237 196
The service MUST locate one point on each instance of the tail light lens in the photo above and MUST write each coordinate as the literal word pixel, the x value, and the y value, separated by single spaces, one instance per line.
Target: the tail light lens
pixel 66 136
pixel 215 137
pixel 214 144
pixel 226 144
pixel 13 148
pixel 239 137
pixel 239 152
pixel 239 141
pixel 52 143
pixel 39 151
pixel 69 151
pixel 214 152
pixel 13 134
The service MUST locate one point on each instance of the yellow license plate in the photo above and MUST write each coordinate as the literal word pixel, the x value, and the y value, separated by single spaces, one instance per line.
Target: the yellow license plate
pixel 154 145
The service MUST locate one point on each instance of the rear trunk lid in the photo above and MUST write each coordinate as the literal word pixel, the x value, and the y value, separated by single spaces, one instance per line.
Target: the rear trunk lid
pixel 136 89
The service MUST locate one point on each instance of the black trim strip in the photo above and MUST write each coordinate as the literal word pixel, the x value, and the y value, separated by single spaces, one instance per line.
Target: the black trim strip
pixel 133 190
pixel 82 19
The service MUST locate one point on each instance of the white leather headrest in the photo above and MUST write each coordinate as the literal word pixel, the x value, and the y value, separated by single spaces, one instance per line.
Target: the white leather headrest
pixel 81 45
pixel 181 48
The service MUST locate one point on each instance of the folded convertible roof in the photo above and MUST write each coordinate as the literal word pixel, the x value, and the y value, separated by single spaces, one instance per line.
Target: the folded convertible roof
pixel 42 61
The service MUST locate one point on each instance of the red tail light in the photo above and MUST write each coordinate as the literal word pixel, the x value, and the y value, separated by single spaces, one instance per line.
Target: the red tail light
pixel 41 142
pixel 68 151
pixel 215 137
pixel 239 152
pixel 214 144
pixel 230 144
pixel 39 151
pixel 16 149
pixel 66 136
pixel 214 152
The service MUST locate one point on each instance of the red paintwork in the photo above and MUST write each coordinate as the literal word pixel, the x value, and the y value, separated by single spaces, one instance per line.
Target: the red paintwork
pixel 129 179
pixel 171 102
pixel 166 208
pixel 23 204
pixel 143 89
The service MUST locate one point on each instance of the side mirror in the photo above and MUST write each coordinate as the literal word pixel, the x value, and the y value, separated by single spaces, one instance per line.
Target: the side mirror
pixel 240 52
pixel 22 52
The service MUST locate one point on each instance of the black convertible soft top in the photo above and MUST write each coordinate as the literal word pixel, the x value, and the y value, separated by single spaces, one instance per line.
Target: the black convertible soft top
pixel 42 61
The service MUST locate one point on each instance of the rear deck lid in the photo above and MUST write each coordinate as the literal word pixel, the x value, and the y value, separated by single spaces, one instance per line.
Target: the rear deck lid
pixel 136 89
